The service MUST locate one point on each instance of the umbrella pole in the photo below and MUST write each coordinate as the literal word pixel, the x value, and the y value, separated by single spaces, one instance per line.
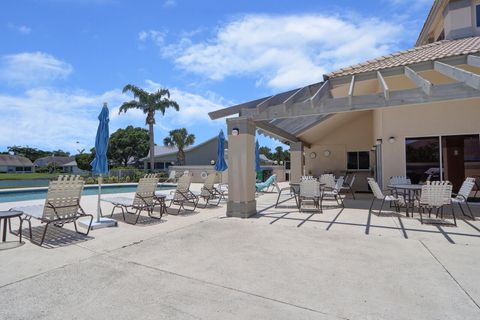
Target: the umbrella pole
pixel 99 209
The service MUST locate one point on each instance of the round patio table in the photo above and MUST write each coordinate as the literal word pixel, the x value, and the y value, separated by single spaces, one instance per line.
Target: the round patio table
pixel 6 216
pixel 409 192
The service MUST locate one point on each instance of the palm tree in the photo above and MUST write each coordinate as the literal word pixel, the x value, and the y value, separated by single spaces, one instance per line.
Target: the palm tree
pixel 149 103
pixel 179 138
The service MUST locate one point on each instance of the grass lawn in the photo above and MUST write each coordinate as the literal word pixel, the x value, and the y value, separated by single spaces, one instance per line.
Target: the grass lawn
pixel 26 176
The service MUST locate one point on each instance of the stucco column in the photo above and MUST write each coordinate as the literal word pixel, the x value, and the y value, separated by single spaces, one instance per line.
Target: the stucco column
pixel 241 168
pixel 296 162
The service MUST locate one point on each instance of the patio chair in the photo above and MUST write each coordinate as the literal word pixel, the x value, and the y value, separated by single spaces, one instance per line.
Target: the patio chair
pixel 335 192
pixel 463 194
pixel 182 195
pixel 271 182
pixel 328 180
pixel 348 186
pixel 396 180
pixel 209 192
pixel 435 195
pixel 172 177
pixel 62 205
pixel 144 199
pixel 310 191
pixel 379 195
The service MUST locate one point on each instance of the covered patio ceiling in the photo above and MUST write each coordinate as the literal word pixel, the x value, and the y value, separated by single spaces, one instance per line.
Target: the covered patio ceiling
pixel 444 71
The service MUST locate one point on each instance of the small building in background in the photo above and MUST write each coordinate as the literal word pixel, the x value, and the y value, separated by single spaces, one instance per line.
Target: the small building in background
pixel 15 164
pixel 72 168
pixel 198 155
pixel 52 161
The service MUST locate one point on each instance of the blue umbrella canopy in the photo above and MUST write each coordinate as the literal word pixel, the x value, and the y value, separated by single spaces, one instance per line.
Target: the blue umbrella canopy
pixel 257 157
pixel 100 162
pixel 221 165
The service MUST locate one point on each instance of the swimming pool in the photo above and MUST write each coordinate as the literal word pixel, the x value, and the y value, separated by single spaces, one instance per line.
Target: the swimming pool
pixel 34 194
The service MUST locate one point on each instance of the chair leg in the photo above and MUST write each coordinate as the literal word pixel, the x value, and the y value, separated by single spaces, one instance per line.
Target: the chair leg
pixel 44 233
pixel 371 205
pixel 278 198
pixel 453 214
pixel 381 207
pixel 470 210
pixel 352 192
pixel 89 225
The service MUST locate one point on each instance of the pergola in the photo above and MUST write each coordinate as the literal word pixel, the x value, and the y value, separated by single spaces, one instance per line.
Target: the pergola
pixel 285 116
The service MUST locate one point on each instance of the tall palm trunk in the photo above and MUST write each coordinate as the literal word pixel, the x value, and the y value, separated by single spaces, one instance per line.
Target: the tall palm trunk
pixel 152 146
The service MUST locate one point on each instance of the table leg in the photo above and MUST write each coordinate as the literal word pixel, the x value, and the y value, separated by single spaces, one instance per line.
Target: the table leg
pixel 4 236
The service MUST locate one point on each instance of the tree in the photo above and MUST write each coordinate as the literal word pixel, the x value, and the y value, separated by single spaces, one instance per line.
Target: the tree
pixel 179 138
pixel 128 144
pixel 84 159
pixel 265 151
pixel 149 104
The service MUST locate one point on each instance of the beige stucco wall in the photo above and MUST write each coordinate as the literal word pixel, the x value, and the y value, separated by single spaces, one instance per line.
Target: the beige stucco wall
pixel 339 134
pixel 447 118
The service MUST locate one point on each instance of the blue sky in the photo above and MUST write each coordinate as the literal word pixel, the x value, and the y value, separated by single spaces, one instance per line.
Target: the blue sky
pixel 60 59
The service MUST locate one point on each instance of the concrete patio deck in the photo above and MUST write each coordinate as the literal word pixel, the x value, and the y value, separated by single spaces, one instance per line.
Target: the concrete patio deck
pixel 281 264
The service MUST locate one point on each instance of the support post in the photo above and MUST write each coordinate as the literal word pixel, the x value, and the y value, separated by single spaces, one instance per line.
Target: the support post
pixel 296 162
pixel 241 168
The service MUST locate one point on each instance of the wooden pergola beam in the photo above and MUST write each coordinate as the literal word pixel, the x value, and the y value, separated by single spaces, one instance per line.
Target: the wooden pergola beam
pixel 466 77
pixel 351 90
pixel 275 131
pixel 383 85
pixel 473 61
pixel 419 81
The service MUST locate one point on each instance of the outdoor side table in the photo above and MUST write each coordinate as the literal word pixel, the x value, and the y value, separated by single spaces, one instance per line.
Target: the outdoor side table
pixel 409 192
pixel 6 216
pixel 160 200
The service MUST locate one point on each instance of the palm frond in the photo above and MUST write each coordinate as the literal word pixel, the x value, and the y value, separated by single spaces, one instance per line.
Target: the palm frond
pixel 130 105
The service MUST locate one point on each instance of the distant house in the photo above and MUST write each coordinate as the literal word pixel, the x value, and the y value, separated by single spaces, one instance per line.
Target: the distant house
pixel 72 168
pixel 53 161
pixel 15 164
pixel 198 155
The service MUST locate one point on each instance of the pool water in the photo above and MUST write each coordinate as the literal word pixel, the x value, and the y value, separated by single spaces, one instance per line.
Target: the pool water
pixel 23 195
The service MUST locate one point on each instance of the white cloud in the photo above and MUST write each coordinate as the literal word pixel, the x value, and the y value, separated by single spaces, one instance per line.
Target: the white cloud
pixel 31 68
pixel 169 3
pixel 23 29
pixel 50 118
pixel 288 50
pixel 157 37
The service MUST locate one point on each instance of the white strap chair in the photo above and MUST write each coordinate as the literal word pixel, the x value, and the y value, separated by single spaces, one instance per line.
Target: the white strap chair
pixel 435 195
pixel 348 186
pixel 310 191
pixel 335 192
pixel 379 195
pixel 463 194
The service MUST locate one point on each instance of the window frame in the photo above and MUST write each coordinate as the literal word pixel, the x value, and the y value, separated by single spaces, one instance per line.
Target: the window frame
pixel 357 168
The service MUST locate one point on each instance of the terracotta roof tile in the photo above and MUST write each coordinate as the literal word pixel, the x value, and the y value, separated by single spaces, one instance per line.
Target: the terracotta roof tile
pixel 428 52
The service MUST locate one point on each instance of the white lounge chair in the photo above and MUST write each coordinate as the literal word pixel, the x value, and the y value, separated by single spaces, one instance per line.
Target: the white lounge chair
pixel 182 195
pixel 209 192
pixel 144 199
pixel 399 180
pixel 62 205
pixel 172 177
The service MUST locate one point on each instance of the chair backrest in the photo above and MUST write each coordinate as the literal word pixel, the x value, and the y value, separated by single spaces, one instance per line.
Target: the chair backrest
pixel 377 192
pixel 183 187
pixel 310 189
pixel 396 180
pixel 172 175
pixel 186 173
pixel 352 180
pixel 63 198
pixel 466 189
pixel 328 180
pixel 436 193
pixel 339 183
pixel 144 196
pixel 308 178
pixel 209 184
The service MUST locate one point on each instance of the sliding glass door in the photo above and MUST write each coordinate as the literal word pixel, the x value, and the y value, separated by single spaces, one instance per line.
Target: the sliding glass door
pixel 451 158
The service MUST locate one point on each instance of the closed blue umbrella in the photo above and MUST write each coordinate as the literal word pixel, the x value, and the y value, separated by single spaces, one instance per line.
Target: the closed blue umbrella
pixel 100 163
pixel 257 157
pixel 221 165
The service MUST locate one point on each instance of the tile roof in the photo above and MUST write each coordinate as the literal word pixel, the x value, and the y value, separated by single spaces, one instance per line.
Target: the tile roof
pixel 14 161
pixel 429 52
pixel 58 160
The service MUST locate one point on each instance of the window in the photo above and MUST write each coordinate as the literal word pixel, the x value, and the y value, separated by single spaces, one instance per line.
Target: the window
pixel 477 10
pixel 358 160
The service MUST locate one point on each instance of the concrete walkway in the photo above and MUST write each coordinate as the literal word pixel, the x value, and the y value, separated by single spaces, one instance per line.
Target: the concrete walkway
pixel 282 264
